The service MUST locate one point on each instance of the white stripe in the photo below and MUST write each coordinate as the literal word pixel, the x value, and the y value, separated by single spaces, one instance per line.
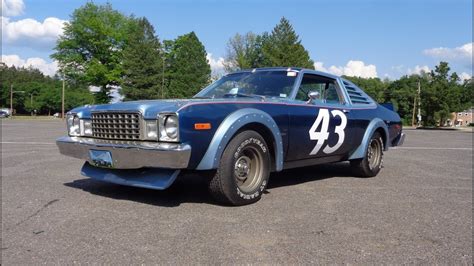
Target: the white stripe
pixel 430 148
pixel 28 143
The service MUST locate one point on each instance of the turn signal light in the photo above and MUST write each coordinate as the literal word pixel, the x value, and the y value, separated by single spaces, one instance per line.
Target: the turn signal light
pixel 202 126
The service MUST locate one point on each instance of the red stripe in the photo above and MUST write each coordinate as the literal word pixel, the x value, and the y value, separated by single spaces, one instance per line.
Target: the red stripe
pixel 286 104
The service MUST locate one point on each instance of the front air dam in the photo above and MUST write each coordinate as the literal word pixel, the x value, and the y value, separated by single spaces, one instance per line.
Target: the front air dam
pixel 152 178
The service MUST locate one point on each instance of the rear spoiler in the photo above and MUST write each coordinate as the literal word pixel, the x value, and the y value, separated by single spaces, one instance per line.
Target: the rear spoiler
pixel 389 106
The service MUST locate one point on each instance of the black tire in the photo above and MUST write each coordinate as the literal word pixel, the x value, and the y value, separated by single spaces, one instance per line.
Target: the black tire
pixel 243 171
pixel 371 164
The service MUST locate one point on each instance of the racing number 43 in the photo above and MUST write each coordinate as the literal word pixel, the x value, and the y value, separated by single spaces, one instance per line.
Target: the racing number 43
pixel 322 136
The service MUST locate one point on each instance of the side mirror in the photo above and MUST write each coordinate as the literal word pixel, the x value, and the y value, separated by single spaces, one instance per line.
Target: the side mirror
pixel 312 95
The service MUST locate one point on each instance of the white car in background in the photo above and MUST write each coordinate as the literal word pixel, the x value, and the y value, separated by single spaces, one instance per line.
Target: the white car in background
pixel 4 112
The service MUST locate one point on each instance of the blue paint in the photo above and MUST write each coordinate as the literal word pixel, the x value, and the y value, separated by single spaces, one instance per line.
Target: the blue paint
pixel 375 124
pixel 151 178
pixel 289 121
pixel 230 126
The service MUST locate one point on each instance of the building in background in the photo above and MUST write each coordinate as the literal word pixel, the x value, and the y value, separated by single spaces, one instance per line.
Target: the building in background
pixel 462 119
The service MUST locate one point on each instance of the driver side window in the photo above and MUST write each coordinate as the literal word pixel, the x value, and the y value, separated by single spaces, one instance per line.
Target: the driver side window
pixel 326 87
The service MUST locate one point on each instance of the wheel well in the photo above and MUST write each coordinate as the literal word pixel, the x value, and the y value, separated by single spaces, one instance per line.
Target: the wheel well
pixel 382 133
pixel 266 134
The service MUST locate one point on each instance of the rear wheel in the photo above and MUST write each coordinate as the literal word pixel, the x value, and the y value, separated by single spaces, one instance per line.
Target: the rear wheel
pixel 371 164
pixel 243 172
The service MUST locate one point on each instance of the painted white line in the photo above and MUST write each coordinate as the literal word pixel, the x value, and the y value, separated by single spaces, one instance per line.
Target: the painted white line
pixel 28 143
pixel 430 148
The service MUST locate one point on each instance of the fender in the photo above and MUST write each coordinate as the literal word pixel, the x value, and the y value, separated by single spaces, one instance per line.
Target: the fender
pixel 227 129
pixel 373 125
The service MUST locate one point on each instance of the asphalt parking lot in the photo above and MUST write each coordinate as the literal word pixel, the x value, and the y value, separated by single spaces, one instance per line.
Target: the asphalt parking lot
pixel 417 210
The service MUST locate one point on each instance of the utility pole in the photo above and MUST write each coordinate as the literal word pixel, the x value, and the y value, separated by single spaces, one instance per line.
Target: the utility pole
pixel 413 122
pixel 419 103
pixel 163 78
pixel 11 99
pixel 62 100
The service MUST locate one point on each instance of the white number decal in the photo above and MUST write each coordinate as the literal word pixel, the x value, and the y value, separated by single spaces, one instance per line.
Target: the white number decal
pixel 323 134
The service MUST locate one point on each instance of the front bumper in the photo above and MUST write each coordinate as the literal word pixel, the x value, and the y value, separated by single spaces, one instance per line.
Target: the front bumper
pixel 128 154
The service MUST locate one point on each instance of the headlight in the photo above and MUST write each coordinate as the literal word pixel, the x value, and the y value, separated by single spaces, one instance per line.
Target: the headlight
pixel 169 127
pixel 73 125
pixel 151 132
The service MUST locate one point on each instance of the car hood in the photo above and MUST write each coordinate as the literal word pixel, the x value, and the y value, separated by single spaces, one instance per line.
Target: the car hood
pixel 150 108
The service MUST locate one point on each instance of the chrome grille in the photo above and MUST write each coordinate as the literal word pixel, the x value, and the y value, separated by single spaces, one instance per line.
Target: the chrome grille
pixel 116 125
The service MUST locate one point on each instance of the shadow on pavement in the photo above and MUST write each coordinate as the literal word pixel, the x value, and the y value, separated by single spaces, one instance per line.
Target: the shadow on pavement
pixel 192 188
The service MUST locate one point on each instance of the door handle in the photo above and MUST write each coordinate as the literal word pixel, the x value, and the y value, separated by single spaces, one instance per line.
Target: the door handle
pixel 346 111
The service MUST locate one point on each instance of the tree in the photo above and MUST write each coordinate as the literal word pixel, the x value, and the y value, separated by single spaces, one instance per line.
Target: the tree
pixel 187 70
pixel 244 51
pixel 142 64
pixel 283 47
pixel 41 93
pixel 91 47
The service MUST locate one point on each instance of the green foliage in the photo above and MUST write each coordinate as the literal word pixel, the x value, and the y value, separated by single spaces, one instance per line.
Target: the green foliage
pixel 280 48
pixel 91 47
pixel 441 94
pixel 283 47
pixel 243 52
pixel 142 63
pixel 187 70
pixel 39 92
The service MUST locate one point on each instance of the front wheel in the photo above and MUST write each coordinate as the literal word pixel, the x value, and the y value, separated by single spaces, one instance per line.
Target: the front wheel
pixel 371 164
pixel 243 171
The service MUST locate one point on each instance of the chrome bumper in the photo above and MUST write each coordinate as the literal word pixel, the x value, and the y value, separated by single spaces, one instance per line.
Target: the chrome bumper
pixel 400 140
pixel 128 154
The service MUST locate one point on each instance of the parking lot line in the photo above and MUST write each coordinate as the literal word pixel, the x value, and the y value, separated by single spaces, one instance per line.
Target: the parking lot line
pixel 28 143
pixel 430 148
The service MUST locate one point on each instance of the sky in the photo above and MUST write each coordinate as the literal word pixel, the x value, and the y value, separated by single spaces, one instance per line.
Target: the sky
pixel 366 38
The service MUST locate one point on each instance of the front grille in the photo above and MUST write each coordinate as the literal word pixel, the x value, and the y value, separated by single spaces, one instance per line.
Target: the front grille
pixel 116 125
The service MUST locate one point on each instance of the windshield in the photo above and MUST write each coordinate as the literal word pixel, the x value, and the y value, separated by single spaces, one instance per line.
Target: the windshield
pixel 252 84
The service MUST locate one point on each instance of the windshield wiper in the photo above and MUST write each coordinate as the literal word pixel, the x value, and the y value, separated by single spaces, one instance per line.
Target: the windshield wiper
pixel 202 97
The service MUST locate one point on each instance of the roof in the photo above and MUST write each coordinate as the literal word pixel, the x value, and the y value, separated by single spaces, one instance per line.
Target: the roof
pixel 299 69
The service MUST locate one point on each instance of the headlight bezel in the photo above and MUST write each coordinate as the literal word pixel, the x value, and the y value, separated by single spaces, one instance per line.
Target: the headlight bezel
pixel 163 127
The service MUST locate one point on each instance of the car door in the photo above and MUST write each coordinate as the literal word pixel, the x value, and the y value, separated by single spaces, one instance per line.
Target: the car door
pixel 318 126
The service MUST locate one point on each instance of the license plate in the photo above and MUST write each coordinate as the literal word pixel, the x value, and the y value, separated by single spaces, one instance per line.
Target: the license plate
pixel 101 158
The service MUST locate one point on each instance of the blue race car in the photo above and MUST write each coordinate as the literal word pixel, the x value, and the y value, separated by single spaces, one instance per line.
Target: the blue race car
pixel 240 129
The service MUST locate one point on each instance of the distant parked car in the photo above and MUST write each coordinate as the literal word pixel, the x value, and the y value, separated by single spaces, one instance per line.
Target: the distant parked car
pixel 56 115
pixel 239 129
pixel 4 112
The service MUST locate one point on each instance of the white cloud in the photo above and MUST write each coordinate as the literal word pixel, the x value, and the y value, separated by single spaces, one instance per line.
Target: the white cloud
pixel 418 70
pixel 463 52
pixel 32 33
pixel 463 76
pixel 353 68
pixel 12 7
pixel 217 65
pixel 33 62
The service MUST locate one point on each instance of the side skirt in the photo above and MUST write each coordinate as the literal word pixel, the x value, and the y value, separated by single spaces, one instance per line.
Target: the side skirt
pixel 313 161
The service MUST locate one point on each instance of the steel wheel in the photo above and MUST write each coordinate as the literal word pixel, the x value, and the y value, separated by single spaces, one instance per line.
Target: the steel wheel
pixel 248 171
pixel 374 153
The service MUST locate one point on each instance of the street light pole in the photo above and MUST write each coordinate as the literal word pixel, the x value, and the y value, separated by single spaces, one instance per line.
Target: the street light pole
pixel 62 101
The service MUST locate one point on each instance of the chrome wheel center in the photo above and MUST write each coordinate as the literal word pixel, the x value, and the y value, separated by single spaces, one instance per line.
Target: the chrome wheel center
pixel 242 168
